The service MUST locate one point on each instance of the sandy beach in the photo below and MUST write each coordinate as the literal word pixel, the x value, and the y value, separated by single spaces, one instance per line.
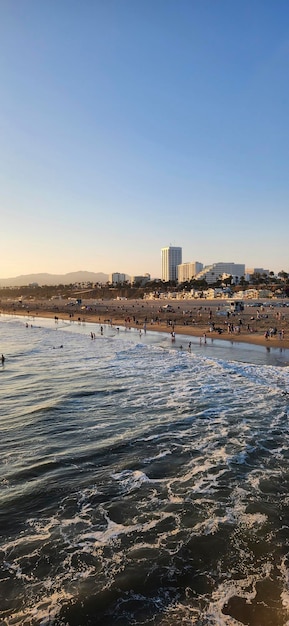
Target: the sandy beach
pixel 266 325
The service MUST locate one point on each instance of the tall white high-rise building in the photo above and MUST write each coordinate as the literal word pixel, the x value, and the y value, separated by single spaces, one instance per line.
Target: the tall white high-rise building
pixel 171 258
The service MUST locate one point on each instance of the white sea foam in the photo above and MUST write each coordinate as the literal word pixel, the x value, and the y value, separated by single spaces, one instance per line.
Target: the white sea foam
pixel 102 538
pixel 243 588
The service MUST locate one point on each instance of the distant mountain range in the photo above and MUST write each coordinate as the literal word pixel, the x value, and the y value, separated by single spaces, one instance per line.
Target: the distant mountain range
pixel 55 279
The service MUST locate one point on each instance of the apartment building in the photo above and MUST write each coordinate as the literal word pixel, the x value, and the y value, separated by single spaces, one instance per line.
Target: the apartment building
pixel 116 278
pixel 216 271
pixel 171 258
pixel 187 271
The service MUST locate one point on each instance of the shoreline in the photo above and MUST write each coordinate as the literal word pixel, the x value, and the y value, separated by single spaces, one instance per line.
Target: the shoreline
pixel 144 315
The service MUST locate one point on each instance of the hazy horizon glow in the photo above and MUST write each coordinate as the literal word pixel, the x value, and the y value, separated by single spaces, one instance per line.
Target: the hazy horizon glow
pixel 129 126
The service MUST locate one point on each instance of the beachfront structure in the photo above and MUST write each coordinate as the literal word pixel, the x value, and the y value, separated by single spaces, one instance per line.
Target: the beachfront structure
pixel 171 258
pixel 219 271
pixel 187 271
pixel 116 278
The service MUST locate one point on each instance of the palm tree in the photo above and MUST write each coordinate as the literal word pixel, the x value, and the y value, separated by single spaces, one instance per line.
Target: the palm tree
pixel 283 275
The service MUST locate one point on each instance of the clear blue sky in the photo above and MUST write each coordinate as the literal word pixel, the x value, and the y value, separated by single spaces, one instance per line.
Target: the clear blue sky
pixel 129 125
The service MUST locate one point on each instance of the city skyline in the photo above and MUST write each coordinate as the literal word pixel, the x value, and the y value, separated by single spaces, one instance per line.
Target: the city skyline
pixel 129 126
pixel 170 271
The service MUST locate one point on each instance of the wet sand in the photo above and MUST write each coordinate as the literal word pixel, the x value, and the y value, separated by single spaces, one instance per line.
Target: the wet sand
pixel 194 318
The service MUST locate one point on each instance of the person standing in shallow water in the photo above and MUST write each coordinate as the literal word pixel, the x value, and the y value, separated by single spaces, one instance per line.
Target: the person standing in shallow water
pixel 2 359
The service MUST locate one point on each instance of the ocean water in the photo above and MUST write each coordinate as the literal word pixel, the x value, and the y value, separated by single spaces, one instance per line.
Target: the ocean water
pixel 141 483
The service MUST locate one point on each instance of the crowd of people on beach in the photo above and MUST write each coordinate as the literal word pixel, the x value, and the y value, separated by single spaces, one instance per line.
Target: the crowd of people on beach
pixel 273 332
pixel 254 323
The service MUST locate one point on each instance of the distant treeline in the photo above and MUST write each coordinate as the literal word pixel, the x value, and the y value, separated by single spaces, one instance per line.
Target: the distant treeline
pixel 126 290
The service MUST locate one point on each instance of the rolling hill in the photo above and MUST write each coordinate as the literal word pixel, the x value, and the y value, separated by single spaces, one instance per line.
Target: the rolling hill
pixel 54 279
